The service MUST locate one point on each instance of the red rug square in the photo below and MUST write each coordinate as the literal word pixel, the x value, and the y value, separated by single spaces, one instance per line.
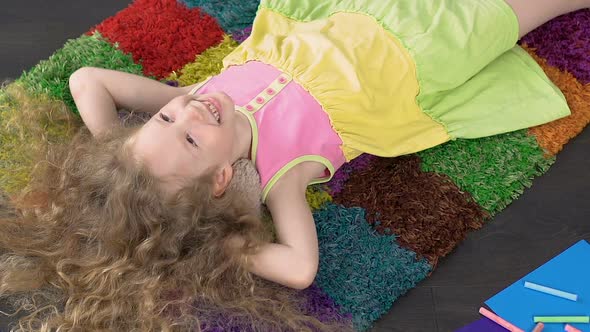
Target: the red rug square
pixel 161 35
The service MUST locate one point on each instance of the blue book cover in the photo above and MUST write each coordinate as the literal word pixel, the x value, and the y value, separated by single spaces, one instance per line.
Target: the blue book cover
pixel 568 272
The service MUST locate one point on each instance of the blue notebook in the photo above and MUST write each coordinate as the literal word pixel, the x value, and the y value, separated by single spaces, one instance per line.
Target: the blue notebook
pixel 569 272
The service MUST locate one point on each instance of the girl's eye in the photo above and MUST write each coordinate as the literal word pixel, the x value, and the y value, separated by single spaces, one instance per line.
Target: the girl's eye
pixel 191 141
pixel 164 117
pixel 188 137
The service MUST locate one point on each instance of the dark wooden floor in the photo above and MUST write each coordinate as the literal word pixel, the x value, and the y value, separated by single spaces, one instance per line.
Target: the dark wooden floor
pixel 545 220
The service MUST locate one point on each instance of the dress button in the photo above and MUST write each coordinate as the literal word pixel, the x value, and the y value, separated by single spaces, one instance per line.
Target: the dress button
pixel 260 100
pixel 282 80
pixel 249 107
pixel 270 91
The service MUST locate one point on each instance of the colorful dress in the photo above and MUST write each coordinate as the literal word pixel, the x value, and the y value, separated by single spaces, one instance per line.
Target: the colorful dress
pixel 384 77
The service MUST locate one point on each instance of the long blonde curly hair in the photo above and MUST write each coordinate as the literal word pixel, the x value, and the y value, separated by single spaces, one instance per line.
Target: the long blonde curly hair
pixel 93 244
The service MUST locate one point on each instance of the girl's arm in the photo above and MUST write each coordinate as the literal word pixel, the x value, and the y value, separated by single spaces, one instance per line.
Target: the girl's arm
pixel 99 93
pixel 293 261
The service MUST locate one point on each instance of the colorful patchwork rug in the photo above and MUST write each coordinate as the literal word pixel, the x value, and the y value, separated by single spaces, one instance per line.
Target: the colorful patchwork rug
pixel 383 223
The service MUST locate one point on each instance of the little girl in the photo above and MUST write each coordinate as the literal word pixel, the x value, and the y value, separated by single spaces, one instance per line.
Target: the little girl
pixel 314 86
pixel 317 84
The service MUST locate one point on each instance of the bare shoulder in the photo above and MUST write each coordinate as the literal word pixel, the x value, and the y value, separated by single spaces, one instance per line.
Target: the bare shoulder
pixel 294 182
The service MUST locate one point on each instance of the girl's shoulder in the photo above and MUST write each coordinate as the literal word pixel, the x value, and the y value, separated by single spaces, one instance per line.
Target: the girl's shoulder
pixel 296 179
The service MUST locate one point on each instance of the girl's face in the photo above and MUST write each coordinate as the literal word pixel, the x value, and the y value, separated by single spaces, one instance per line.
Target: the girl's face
pixel 188 136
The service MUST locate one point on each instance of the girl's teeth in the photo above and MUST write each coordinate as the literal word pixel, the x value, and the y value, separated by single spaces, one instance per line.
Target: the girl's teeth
pixel 213 110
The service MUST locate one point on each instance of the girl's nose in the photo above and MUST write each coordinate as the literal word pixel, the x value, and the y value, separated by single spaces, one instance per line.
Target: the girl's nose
pixel 195 112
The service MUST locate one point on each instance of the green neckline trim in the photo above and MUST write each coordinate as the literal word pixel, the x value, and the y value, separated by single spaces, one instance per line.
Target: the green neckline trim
pixel 250 117
pixel 200 85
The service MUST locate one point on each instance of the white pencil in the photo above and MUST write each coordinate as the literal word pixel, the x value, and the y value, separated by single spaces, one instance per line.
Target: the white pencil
pixel 551 291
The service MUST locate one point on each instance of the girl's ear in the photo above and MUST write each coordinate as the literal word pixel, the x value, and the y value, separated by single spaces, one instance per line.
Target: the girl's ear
pixel 222 178
pixel 243 195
